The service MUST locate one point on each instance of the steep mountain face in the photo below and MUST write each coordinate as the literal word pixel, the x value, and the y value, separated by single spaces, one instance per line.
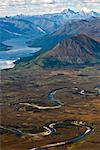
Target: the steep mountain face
pixel 47 24
pixel 12 28
pixel 4 47
pixel 89 26
pixel 77 50
pixel 6 34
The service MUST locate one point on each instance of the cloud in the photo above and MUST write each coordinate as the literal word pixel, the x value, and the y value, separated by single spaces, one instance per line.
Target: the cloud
pixel 31 7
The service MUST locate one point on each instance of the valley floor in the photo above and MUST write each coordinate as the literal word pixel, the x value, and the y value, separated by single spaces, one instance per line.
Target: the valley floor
pixel 33 86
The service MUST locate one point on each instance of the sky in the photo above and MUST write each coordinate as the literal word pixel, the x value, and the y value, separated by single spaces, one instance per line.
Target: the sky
pixel 37 7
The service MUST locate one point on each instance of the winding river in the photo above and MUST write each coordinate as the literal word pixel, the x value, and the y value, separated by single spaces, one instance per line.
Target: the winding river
pixel 51 94
pixel 50 129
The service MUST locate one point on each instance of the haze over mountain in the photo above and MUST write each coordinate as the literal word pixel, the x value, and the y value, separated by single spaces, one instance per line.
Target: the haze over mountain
pixel 57 33
pixel 33 27
pixel 4 47
pixel 90 26
pixel 14 28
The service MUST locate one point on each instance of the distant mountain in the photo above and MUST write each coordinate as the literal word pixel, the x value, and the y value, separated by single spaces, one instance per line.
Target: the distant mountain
pixel 47 23
pixel 90 26
pixel 4 47
pixel 6 34
pixel 77 50
pixel 53 21
pixel 94 14
pixel 71 14
pixel 14 28
pixel 33 27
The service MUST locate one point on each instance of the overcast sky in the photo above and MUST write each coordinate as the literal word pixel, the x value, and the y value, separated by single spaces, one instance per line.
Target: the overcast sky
pixel 34 7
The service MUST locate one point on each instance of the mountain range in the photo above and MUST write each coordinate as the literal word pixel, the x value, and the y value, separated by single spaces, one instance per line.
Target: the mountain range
pixel 66 38
pixel 77 50
pixel 4 47
pixel 15 28
pixel 90 27
pixel 33 27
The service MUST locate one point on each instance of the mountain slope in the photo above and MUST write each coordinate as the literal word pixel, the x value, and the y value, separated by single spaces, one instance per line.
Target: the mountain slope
pixel 4 47
pixel 35 27
pixel 12 28
pixel 77 50
pixel 90 26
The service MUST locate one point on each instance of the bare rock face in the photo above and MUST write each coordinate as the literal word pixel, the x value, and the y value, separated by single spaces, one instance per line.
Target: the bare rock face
pixel 80 49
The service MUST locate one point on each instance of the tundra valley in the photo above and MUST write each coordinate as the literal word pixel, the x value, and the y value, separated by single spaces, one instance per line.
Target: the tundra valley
pixel 50 81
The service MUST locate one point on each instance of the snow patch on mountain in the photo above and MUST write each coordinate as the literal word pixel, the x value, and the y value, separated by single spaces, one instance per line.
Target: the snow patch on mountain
pixel 41 30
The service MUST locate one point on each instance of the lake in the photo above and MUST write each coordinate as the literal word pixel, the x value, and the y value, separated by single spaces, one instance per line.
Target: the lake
pixel 19 49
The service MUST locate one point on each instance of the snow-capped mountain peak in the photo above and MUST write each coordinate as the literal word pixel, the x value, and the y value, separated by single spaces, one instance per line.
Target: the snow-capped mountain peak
pixel 71 14
pixel 69 11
